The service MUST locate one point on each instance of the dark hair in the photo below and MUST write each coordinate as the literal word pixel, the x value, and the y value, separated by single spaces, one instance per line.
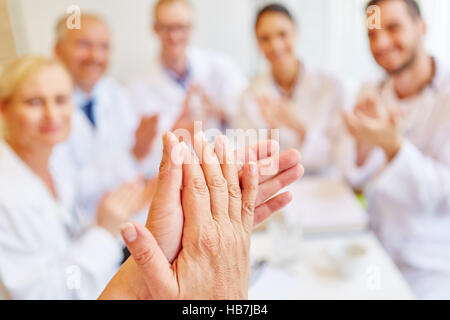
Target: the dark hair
pixel 274 8
pixel 413 6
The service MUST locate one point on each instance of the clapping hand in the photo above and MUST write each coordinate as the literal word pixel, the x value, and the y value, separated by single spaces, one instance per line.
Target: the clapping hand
pixel 219 202
pixel 373 126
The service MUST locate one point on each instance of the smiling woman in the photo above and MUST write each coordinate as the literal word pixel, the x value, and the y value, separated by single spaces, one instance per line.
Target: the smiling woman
pixel 23 108
pixel 46 249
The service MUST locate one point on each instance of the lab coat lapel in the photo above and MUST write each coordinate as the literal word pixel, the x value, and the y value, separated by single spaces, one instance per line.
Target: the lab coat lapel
pixel 104 111
pixel 35 194
pixel 166 86
pixel 171 95
pixel 82 137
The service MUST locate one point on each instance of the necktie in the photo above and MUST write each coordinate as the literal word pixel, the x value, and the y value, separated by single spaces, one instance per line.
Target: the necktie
pixel 88 110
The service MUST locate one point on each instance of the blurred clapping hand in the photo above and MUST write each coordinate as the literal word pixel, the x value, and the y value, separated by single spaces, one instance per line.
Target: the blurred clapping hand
pixel 120 205
pixel 280 113
pixel 374 126
pixel 145 136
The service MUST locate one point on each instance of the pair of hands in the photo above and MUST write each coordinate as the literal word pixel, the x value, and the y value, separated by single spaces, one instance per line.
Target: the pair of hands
pixel 148 127
pixel 372 126
pixel 197 240
pixel 279 113
pixel 118 206
pixel 197 106
pixel 209 108
pixel 148 130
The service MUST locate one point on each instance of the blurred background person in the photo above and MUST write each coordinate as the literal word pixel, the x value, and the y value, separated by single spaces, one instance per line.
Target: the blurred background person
pixel 302 103
pixel 185 83
pixel 46 250
pixel 106 142
pixel 400 153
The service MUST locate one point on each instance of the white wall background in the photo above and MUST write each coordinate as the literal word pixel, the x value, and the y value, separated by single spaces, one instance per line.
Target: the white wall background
pixel 333 36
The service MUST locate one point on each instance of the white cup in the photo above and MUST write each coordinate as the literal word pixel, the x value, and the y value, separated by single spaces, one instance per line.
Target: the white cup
pixel 347 258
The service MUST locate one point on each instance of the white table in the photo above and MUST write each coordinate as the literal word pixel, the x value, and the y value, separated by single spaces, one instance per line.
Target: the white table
pixel 324 205
pixel 375 277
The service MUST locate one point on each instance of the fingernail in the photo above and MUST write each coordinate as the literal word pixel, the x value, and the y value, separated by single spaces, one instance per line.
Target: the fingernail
pixel 253 168
pixel 172 138
pixel 128 232
pixel 178 153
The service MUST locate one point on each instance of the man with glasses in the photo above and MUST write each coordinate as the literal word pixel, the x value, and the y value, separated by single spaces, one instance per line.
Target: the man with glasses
pixel 185 83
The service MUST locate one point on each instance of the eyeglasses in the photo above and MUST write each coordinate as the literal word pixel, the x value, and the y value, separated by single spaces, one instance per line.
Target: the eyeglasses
pixel 182 28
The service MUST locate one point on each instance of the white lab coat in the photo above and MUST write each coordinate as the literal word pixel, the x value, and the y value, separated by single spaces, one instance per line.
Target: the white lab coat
pixel 317 99
pixel 46 251
pixel 155 92
pixel 409 198
pixel 101 157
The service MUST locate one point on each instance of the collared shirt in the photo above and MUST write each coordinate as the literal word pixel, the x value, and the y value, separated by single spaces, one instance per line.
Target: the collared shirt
pixel 44 252
pixel 317 99
pixel 82 99
pixel 183 81
pixel 100 157
pixel 408 198
pixel 157 93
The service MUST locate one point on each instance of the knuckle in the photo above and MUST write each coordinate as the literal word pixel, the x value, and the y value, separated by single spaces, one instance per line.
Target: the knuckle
pixel 249 207
pixel 218 182
pixel 209 241
pixel 199 186
pixel 234 191
pixel 144 256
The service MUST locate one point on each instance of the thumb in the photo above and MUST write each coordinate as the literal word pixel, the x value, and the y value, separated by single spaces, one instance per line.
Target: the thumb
pixel 170 171
pixel 154 268
pixel 166 205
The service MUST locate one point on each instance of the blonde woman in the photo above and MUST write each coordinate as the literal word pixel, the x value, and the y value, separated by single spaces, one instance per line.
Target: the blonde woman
pixel 46 251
